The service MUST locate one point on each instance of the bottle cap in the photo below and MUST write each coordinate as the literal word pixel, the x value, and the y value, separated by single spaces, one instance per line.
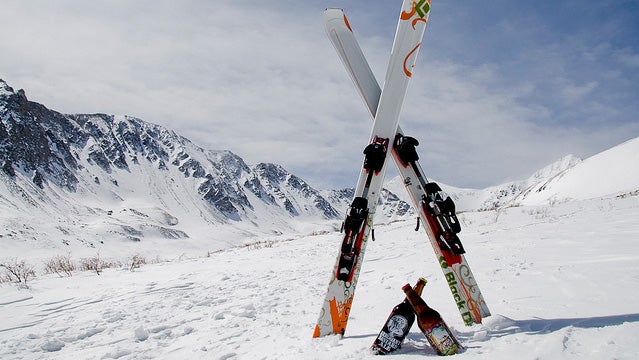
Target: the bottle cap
pixel 423 279
pixel 407 286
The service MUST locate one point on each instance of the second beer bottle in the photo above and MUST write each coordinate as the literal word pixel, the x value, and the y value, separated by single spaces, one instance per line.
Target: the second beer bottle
pixel 432 325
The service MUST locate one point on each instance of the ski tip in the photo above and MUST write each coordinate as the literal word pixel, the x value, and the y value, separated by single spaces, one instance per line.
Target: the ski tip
pixel 332 15
pixel 317 332
pixel 334 12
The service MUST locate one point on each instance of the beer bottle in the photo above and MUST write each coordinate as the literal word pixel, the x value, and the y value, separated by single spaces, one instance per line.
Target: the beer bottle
pixel 432 325
pixel 397 325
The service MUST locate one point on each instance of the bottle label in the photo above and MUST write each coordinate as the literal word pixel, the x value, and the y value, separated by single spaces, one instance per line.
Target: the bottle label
pixel 391 340
pixel 397 325
pixel 442 340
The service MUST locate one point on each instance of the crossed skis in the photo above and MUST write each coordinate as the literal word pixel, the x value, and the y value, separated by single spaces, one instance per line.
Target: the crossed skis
pixel 436 210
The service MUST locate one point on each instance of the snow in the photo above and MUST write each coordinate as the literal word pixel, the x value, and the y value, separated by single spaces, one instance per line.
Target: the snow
pixel 611 171
pixel 555 257
pixel 560 280
pixel 154 205
pixel 5 90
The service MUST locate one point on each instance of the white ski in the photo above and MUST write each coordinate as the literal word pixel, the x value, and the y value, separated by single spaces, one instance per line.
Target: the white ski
pixel 357 225
pixel 461 281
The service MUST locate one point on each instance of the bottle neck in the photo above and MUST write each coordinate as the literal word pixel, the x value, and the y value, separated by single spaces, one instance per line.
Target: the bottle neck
pixel 418 304
pixel 419 287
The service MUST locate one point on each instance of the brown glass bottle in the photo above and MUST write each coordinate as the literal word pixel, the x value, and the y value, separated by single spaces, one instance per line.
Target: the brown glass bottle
pixel 397 325
pixel 432 325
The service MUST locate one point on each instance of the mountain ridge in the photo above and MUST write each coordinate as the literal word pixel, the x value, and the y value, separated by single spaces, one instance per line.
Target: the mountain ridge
pixel 609 173
pixel 109 178
pixel 93 181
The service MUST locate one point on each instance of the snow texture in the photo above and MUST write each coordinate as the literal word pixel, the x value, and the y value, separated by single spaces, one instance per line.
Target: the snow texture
pixel 559 280
pixel 555 255
pixel 88 183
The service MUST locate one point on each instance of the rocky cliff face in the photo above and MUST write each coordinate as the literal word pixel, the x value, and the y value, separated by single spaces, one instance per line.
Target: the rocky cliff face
pixel 60 161
pixel 52 147
pixel 29 140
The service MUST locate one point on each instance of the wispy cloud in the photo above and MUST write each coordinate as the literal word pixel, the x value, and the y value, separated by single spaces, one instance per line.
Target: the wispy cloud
pixel 499 91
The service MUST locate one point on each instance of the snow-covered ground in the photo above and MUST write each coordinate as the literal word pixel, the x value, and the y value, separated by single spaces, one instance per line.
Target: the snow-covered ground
pixel 561 281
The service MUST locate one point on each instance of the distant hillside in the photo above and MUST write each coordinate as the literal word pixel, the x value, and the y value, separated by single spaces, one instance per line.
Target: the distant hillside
pixel 610 173
pixel 118 184
pixel 103 181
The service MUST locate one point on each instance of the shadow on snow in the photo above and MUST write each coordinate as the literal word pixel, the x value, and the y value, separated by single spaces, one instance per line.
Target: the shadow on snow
pixel 498 326
pixel 502 326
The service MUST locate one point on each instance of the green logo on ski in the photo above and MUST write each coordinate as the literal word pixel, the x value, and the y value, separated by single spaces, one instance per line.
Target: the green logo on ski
pixel 422 8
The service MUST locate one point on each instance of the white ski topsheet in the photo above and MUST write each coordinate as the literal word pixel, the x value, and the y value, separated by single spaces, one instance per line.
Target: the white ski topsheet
pixel 408 39
pixel 351 55
pixel 336 306
pixel 461 281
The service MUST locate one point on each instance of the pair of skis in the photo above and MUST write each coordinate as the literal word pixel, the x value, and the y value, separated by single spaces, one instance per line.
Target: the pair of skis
pixel 436 211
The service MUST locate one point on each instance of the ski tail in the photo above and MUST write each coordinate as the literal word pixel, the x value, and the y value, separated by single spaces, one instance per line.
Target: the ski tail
pixel 340 33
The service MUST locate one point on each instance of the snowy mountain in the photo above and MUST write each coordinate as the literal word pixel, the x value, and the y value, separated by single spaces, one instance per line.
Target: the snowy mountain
pixel 118 184
pixel 613 172
pixel 553 254
pixel 493 197
pixel 92 180
pixel 559 280
pixel 505 195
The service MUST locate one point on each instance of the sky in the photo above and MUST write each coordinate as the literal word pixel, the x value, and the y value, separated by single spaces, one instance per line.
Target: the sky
pixel 500 89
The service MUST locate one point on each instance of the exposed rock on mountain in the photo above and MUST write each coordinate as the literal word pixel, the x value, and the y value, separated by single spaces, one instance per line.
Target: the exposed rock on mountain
pixel 105 177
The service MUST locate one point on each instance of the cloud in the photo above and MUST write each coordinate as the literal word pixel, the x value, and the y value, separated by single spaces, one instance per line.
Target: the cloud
pixel 627 57
pixel 260 80
pixel 498 92
pixel 573 93
pixel 478 129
